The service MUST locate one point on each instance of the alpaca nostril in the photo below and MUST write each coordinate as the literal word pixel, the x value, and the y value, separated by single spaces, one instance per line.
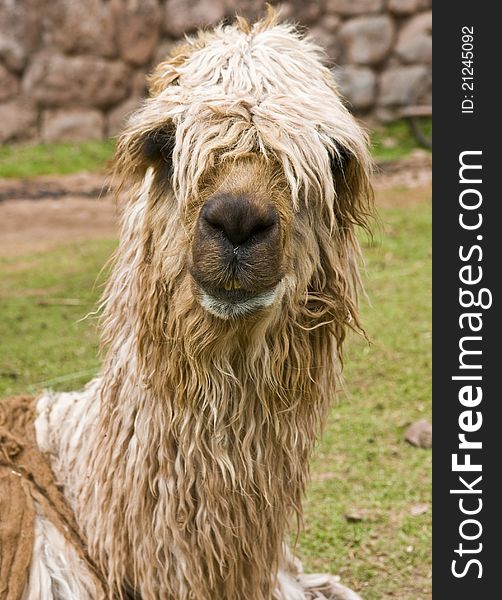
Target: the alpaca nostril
pixel 239 219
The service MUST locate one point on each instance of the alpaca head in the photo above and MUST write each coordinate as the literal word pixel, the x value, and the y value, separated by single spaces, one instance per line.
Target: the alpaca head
pixel 253 177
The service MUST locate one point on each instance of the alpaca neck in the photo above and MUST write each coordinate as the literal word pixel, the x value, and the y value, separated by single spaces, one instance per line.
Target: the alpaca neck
pixel 189 495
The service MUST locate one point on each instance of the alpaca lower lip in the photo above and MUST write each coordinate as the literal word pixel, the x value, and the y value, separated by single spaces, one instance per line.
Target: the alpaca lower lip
pixel 229 304
pixel 232 295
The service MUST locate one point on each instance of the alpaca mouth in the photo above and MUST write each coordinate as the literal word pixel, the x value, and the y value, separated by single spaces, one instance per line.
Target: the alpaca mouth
pixel 231 303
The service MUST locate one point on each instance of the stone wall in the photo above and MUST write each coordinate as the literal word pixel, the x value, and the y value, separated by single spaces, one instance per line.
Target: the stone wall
pixel 74 69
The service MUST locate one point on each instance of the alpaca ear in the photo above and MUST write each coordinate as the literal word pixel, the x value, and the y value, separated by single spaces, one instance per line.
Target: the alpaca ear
pixel 140 148
pixel 158 147
pixel 137 150
pixel 339 158
pixel 351 171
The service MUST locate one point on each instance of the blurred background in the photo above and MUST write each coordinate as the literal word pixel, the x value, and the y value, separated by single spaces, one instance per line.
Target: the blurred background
pixel 71 71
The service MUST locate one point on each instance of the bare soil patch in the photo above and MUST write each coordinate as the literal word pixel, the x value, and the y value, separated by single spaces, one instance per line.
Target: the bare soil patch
pixel 34 225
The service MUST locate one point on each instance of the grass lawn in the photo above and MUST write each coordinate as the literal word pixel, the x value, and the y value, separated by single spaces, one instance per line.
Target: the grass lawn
pixel 389 142
pixel 363 466
pixel 395 140
pixel 30 160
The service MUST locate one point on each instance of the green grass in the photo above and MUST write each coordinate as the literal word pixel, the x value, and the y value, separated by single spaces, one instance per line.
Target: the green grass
pixel 389 142
pixel 362 463
pixel 54 159
pixel 395 140
pixel 43 297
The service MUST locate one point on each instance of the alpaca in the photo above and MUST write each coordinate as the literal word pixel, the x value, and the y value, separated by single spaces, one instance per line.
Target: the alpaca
pixel 242 179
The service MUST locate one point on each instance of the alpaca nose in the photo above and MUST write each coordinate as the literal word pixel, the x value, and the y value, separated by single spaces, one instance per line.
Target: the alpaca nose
pixel 239 219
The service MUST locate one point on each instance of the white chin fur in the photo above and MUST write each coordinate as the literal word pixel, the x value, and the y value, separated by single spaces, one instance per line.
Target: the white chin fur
pixel 232 310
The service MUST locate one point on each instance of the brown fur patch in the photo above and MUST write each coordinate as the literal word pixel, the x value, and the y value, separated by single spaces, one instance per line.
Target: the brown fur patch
pixel 26 478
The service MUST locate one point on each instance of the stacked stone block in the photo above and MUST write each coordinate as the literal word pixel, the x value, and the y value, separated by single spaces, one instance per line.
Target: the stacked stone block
pixel 75 69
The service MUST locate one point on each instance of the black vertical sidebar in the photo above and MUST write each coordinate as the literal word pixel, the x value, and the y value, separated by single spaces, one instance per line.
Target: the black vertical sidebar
pixel 467 251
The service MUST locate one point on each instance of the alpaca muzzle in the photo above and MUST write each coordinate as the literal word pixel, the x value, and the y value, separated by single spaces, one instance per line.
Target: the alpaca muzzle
pixel 237 255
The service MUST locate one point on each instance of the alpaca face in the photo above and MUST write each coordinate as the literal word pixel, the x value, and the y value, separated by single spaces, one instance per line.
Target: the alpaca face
pixel 260 170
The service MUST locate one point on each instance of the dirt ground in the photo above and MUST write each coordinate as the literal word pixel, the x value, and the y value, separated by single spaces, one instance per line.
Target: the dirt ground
pixel 43 212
